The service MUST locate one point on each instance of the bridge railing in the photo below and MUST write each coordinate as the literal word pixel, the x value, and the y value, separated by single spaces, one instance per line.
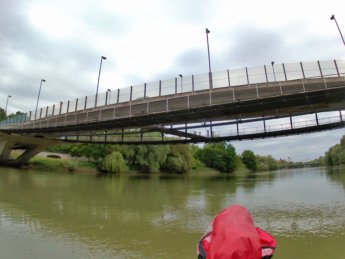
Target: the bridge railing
pixel 192 83
pixel 258 128
pixel 240 129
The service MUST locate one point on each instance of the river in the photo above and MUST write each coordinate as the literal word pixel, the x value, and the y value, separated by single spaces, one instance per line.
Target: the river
pixel 62 215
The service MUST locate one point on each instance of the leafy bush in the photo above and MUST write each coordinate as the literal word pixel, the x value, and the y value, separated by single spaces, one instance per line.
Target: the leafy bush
pixel 221 156
pixel 248 158
pixel 114 163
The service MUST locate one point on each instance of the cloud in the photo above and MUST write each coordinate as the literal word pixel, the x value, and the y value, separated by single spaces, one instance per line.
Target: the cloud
pixel 297 147
pixel 147 41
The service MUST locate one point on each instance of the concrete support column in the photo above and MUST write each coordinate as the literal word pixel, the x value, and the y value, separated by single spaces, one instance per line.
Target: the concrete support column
pixel 29 153
pixel 5 150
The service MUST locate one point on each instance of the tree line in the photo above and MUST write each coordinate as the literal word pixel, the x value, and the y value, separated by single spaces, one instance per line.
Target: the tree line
pixel 177 158
pixel 335 155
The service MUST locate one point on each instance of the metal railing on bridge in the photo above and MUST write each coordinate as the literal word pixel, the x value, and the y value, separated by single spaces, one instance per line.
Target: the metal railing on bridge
pixel 209 132
pixel 183 84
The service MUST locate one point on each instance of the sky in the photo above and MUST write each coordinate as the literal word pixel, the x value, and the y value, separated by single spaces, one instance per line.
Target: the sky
pixel 144 41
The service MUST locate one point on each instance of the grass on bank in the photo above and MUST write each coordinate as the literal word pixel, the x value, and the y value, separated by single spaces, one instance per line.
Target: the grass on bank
pixel 52 164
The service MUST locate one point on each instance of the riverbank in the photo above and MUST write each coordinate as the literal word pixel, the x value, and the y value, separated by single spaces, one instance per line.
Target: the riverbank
pixel 56 164
pixel 49 161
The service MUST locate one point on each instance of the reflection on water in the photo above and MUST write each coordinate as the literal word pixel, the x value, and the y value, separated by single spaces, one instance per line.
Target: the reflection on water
pixel 163 216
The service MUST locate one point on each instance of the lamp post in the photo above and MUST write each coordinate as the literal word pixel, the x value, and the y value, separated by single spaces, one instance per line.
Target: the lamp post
pixel 8 96
pixel 108 96
pixel 209 59
pixel 99 75
pixel 38 97
pixel 181 76
pixel 342 37
pixel 274 73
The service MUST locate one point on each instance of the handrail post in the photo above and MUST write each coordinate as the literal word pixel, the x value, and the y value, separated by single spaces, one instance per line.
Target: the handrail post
pixel 318 63
pixel 76 105
pixel 192 83
pixel 131 93
pixel 291 124
pixel 175 85
pixel 266 73
pixel 341 116
pixel 247 75
pixel 60 108
pixel 85 103
pixel 302 69
pixel 228 73
pixel 336 67
pixel 284 72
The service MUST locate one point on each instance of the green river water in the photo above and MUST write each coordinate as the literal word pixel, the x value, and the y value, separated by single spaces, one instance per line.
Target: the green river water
pixel 61 215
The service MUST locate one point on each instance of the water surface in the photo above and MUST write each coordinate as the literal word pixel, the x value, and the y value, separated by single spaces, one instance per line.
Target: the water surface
pixel 56 215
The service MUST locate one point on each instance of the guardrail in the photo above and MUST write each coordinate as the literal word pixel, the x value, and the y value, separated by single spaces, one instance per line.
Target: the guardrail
pixel 231 131
pixel 194 83
pixel 261 128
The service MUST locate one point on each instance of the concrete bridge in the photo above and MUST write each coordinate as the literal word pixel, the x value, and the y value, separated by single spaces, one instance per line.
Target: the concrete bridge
pixel 239 104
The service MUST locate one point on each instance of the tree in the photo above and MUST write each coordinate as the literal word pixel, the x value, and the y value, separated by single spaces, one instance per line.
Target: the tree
pixel 147 158
pixel 267 163
pixel 248 158
pixel 2 114
pixel 221 156
pixel 179 159
pixel 114 163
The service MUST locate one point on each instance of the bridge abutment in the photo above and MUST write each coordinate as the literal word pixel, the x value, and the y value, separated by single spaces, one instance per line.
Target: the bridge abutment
pixel 29 153
pixel 5 149
pixel 31 146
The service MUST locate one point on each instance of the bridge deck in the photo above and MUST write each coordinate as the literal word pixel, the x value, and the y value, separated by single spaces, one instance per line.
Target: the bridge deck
pixel 248 101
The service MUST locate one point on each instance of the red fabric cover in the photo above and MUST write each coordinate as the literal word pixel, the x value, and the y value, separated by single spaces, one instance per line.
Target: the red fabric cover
pixel 234 236
pixel 266 239
pixel 267 242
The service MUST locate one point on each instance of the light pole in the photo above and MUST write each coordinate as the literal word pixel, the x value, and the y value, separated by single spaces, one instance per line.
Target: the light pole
pixel 108 95
pixel 181 76
pixel 38 97
pixel 99 75
pixel 274 73
pixel 209 59
pixel 333 18
pixel 8 96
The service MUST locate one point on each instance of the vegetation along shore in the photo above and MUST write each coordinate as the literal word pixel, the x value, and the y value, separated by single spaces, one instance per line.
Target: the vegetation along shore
pixel 179 158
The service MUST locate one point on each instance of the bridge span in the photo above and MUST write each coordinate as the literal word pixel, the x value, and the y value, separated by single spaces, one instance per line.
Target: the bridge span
pixel 239 104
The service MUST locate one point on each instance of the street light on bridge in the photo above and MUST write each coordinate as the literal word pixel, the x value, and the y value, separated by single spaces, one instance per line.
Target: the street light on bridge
pixel 209 59
pixel 274 72
pixel 9 96
pixel 108 96
pixel 181 76
pixel 99 75
pixel 342 37
pixel 38 97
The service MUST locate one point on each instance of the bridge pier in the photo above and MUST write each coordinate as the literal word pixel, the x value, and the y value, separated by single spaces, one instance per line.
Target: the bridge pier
pixel 29 153
pixel 5 150
pixel 31 146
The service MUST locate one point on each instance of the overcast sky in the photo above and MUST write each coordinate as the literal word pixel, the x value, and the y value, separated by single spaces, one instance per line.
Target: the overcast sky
pixel 144 41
